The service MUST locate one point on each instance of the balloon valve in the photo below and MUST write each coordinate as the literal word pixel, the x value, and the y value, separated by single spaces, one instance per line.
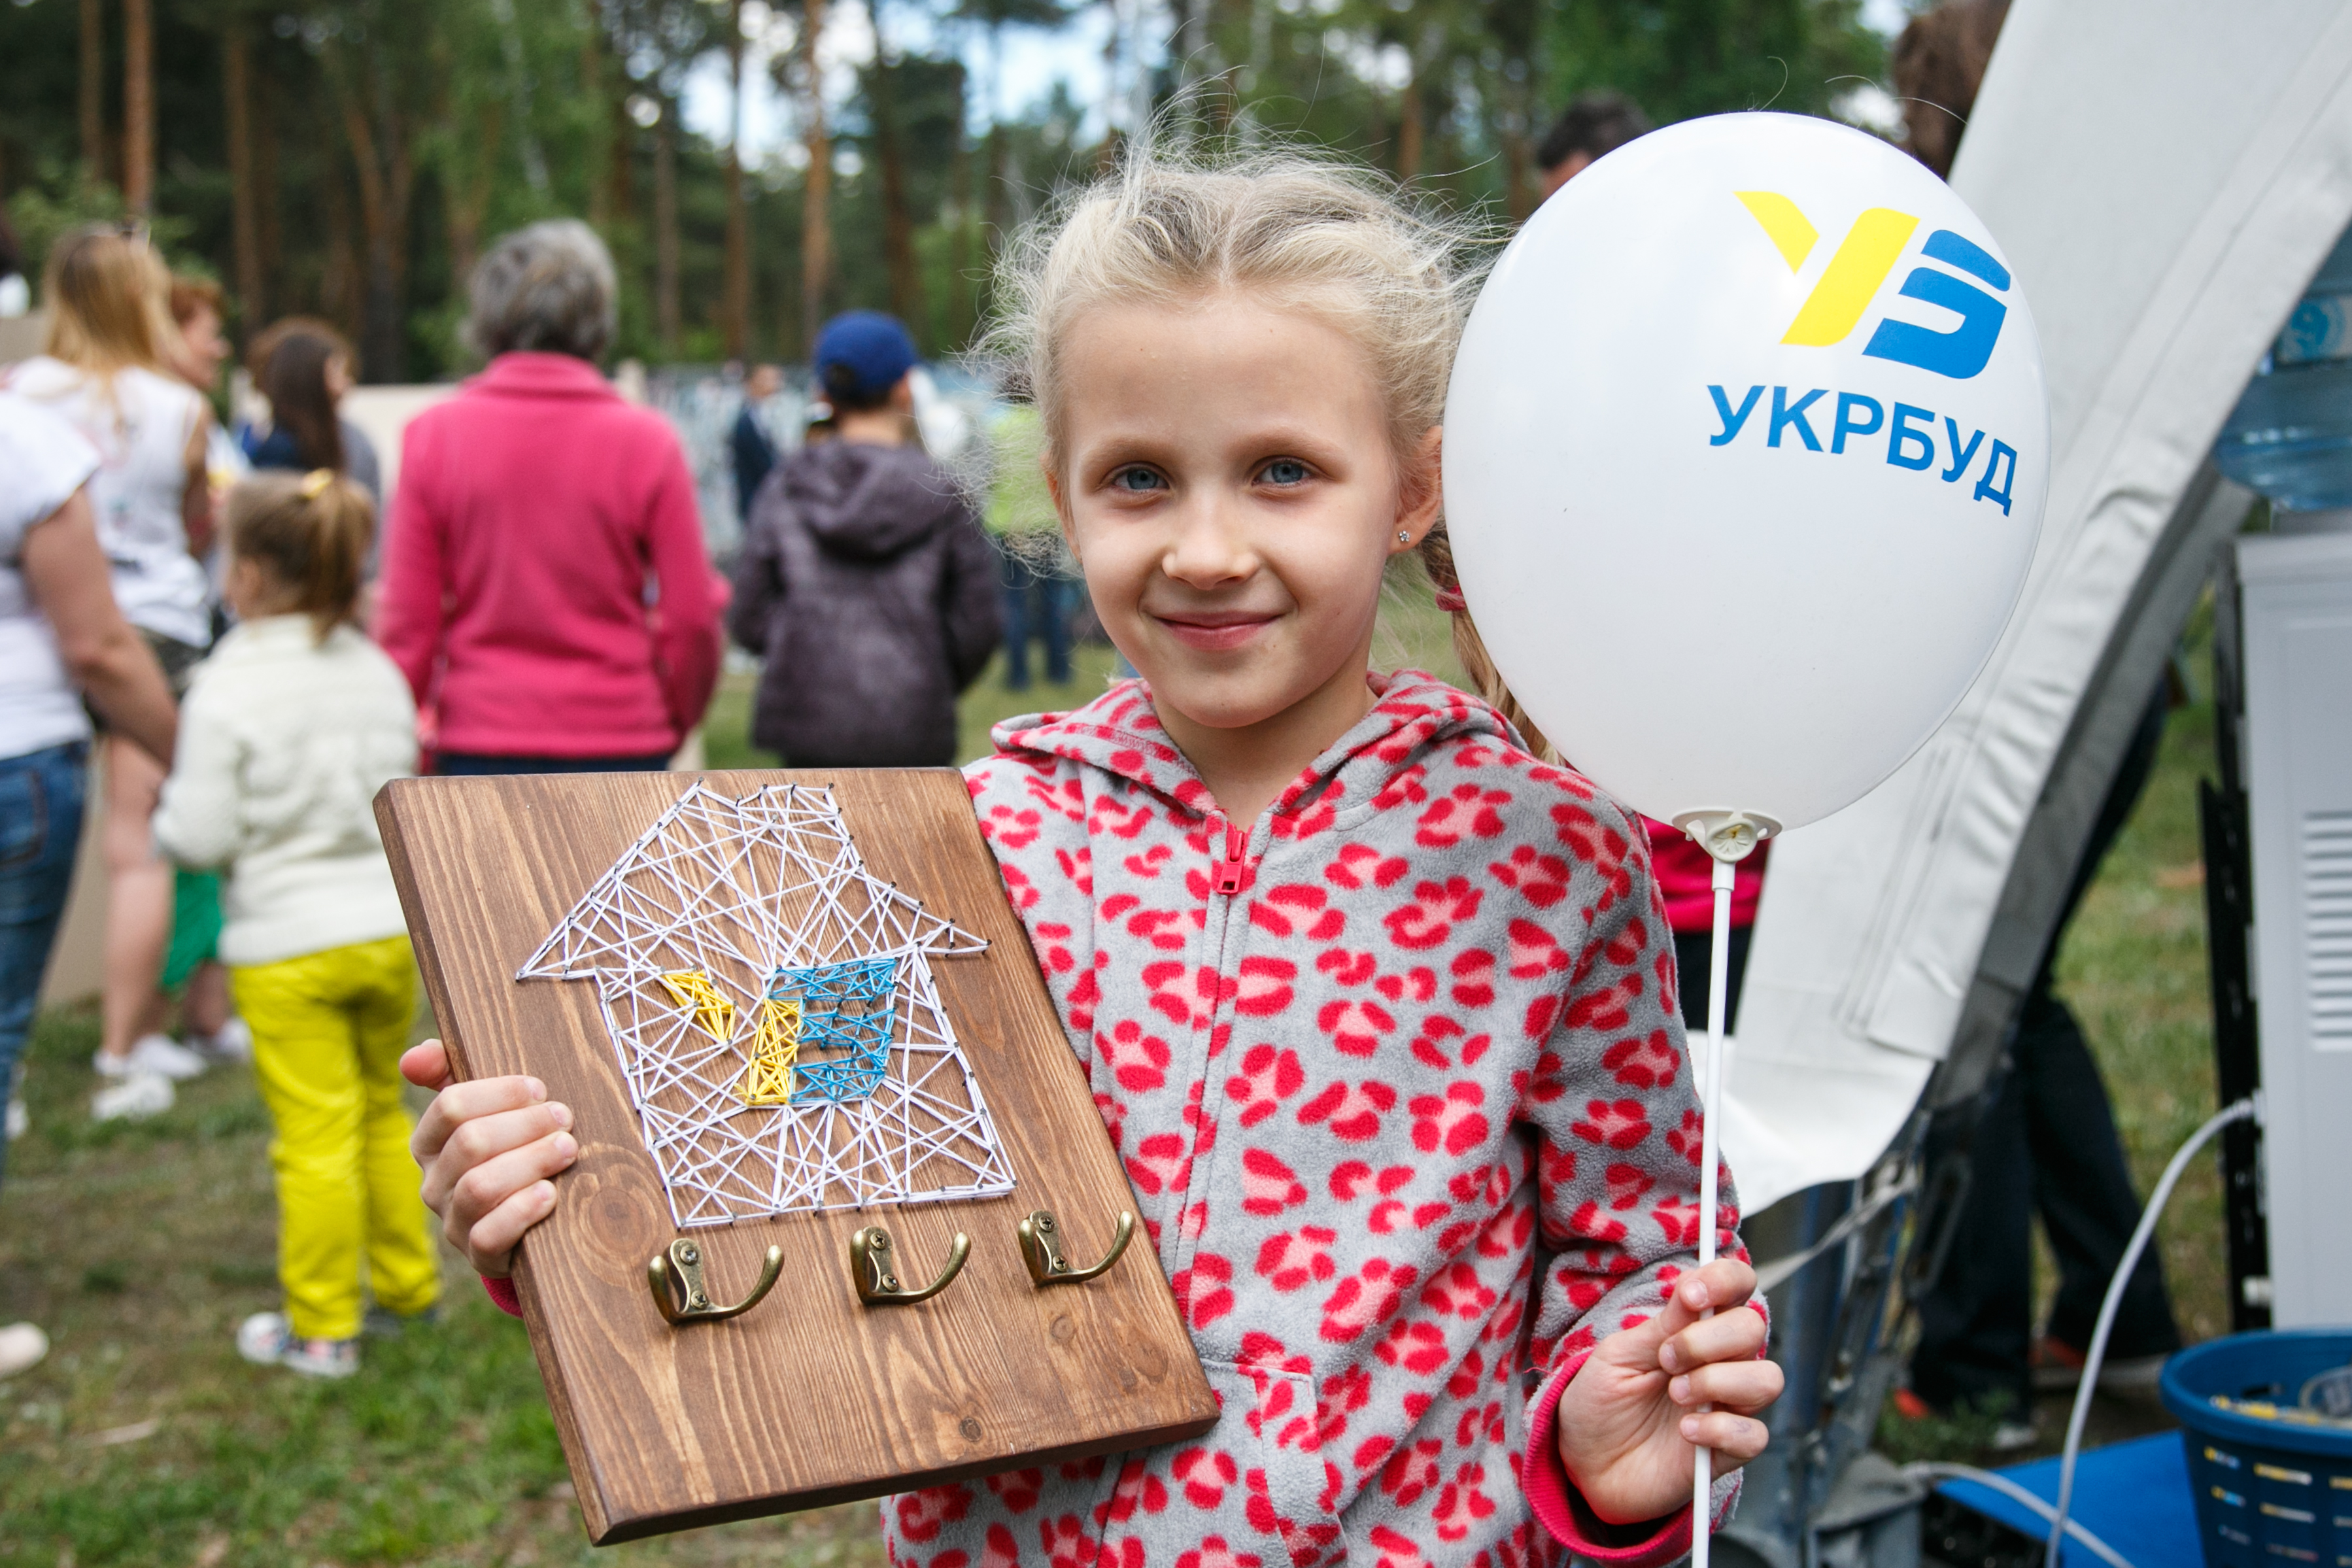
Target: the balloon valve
pixel 1728 835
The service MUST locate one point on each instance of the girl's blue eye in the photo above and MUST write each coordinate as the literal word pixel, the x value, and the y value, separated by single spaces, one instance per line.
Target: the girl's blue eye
pixel 1135 480
pixel 1284 471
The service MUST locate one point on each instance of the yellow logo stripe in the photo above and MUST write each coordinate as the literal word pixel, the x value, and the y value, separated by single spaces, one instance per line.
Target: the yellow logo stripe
pixel 1852 278
pixel 1783 224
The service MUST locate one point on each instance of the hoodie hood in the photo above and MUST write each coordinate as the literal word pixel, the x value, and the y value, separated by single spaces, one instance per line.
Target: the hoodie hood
pixel 865 502
pixel 1119 733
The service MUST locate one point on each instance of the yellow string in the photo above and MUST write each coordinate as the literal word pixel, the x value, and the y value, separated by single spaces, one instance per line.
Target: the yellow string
pixel 713 1012
pixel 775 1036
pixel 775 1043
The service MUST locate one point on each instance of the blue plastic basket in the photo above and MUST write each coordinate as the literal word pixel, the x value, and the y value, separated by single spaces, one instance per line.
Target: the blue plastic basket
pixel 2268 1493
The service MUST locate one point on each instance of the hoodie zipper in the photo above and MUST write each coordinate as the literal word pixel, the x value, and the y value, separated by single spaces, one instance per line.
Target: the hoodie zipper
pixel 1231 876
pixel 1233 872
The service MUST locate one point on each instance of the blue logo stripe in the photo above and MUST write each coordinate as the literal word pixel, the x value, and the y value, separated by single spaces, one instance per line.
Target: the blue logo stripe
pixel 1946 246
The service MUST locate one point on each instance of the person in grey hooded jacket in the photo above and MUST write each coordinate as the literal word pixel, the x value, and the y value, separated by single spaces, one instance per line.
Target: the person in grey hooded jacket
pixel 864 580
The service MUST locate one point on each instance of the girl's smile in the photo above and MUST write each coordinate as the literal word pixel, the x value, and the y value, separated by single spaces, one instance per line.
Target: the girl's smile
pixel 1215 631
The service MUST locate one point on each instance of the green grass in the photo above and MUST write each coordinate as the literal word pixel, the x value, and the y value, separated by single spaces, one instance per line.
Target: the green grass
pixel 144 1440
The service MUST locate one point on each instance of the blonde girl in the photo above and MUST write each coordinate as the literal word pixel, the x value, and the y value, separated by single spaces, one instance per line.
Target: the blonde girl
pixel 1377 1004
pixel 287 732
pixel 108 372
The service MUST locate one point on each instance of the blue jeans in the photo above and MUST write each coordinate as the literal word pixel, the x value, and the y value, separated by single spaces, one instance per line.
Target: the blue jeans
pixel 40 827
pixel 1051 595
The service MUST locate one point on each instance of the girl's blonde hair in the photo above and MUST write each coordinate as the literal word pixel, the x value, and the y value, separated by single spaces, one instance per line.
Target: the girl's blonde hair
pixel 309 532
pixel 109 296
pixel 1300 231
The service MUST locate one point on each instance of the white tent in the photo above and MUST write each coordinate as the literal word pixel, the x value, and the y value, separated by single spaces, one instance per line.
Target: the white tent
pixel 2164 177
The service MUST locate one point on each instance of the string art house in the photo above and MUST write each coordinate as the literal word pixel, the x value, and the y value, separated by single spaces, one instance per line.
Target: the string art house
pixel 772 1007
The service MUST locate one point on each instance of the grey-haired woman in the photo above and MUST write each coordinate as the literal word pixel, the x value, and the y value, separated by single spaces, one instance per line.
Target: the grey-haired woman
pixel 545 586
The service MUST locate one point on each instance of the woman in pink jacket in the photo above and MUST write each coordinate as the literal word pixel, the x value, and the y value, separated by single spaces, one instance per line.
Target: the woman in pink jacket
pixel 545 586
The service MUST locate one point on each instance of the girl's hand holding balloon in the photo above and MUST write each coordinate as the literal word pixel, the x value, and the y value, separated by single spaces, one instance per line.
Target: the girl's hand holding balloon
pixel 1629 1418
pixel 488 1149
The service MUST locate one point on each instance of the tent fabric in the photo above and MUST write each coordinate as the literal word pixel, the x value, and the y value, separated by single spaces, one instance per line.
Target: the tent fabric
pixel 2164 177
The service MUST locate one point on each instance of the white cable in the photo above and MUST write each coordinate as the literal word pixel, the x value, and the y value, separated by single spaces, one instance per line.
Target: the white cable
pixel 1779 1271
pixel 1936 1471
pixel 2108 1307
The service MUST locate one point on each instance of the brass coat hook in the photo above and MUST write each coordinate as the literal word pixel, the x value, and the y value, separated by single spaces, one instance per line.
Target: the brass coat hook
pixel 1041 1248
pixel 874 1264
pixel 675 1276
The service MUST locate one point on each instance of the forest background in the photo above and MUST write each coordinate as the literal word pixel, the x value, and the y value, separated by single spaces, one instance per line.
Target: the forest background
pixel 349 159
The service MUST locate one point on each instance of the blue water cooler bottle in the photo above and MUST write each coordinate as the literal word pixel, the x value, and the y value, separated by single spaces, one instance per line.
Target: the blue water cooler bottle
pixel 2290 438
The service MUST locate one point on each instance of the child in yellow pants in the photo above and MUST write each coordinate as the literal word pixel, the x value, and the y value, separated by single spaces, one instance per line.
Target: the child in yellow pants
pixel 288 730
pixel 327 1031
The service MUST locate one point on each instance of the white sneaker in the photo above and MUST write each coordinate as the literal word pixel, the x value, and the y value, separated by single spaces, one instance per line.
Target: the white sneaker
pixel 137 1096
pixel 20 1120
pixel 22 1346
pixel 267 1338
pixel 232 1042
pixel 157 1055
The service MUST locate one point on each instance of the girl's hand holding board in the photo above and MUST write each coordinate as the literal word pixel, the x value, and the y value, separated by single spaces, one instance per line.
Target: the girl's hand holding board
pixel 489 1150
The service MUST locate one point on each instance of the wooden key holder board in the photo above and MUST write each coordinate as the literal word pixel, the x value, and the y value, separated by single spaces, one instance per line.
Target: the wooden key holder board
pixel 787 1112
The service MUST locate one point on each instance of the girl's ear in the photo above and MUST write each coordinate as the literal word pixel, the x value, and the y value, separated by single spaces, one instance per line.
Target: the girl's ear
pixel 1420 491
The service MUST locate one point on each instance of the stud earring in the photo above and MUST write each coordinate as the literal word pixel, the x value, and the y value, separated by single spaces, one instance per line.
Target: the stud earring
pixel 1405 536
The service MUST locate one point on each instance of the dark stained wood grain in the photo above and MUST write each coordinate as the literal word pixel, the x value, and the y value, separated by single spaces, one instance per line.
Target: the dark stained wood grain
pixel 811 1397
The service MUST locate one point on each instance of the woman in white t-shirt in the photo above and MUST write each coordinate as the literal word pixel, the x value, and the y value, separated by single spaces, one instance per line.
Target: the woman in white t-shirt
pixel 59 631
pixel 107 374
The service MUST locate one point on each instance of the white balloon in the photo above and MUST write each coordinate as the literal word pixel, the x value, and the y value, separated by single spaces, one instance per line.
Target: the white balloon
pixel 1746 451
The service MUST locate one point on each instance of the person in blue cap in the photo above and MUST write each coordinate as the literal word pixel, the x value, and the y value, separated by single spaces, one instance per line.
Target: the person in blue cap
pixel 865 583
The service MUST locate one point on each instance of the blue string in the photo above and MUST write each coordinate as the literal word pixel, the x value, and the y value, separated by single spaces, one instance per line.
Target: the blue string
pixel 847 1011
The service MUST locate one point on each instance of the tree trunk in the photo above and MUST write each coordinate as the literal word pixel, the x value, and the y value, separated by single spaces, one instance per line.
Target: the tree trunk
pixel 964 300
pixel 622 170
pixel 466 200
pixel 245 227
pixel 384 173
pixel 340 291
pixel 665 245
pixel 138 105
pixel 604 149
pixel 999 181
pixel 1409 128
pixel 737 285
pixel 266 233
pixel 816 187
pixel 898 224
pixel 93 87
pixel 534 155
pixel 1514 25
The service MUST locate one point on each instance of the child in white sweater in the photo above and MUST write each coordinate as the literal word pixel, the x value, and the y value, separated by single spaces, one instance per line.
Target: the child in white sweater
pixel 291 726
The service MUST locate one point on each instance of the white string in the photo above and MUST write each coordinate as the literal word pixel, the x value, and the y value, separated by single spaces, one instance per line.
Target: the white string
pixel 737 890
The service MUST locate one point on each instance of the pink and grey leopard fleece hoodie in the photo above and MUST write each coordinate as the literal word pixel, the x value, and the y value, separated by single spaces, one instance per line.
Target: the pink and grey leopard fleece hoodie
pixel 1398 1076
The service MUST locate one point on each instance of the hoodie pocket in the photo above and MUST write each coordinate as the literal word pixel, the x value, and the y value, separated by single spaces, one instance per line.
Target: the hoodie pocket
pixel 1280 1486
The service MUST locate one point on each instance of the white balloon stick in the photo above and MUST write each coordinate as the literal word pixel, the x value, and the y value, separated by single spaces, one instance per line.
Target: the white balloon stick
pixel 1728 837
pixel 1718 984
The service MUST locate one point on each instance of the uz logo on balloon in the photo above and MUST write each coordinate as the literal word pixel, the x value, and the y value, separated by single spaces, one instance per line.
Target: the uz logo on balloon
pixel 1861 265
